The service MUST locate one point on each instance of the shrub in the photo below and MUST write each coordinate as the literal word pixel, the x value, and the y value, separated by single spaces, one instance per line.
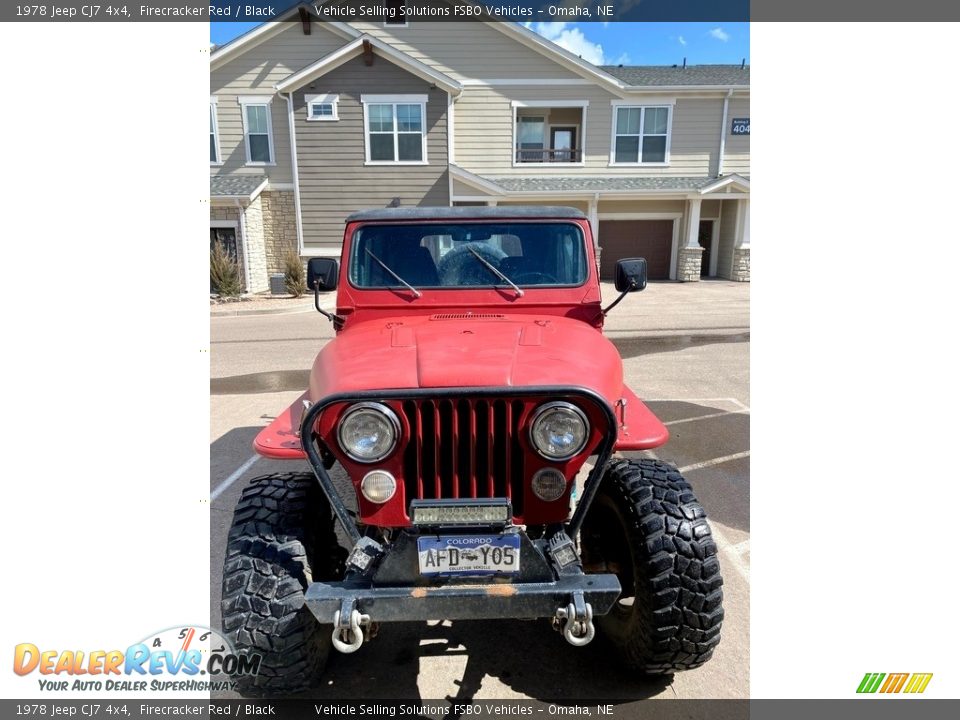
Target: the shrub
pixel 224 273
pixel 294 277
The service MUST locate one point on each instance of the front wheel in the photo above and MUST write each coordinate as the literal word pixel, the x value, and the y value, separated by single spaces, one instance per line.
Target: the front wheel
pixel 646 526
pixel 282 539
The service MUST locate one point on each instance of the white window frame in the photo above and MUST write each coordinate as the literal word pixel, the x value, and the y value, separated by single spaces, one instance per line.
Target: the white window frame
pixel 394 100
pixel 332 100
pixel 245 102
pixel 618 105
pixel 547 105
pixel 216 133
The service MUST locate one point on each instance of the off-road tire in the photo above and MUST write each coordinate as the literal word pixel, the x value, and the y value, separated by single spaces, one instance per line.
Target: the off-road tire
pixel 282 539
pixel 669 566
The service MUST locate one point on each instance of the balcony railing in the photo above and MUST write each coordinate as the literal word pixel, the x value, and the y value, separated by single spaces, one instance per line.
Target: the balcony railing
pixel 563 155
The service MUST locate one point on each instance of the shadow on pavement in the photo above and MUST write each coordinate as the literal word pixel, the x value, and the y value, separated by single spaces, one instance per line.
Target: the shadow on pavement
pixel 630 347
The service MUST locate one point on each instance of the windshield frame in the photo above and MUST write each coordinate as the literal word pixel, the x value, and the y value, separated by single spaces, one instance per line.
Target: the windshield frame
pixel 496 283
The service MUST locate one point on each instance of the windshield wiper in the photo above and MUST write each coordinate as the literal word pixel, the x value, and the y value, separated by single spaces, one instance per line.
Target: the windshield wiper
pixel 396 277
pixel 493 268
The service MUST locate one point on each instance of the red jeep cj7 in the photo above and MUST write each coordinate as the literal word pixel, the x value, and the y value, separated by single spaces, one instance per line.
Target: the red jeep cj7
pixel 467 386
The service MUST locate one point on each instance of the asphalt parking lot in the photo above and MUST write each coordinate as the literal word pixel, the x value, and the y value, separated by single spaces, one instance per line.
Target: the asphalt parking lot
pixel 685 349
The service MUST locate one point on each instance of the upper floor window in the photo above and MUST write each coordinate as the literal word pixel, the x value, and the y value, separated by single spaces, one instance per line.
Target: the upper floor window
pixel 395 128
pixel 257 130
pixel 214 140
pixel 322 107
pixel 641 134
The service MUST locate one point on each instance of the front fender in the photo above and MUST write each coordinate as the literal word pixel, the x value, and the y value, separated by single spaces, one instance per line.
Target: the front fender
pixel 280 440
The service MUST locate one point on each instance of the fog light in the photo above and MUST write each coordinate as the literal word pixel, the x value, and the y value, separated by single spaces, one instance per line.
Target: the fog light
pixel 378 486
pixel 549 484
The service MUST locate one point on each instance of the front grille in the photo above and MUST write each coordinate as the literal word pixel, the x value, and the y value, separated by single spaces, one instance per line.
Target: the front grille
pixel 464 448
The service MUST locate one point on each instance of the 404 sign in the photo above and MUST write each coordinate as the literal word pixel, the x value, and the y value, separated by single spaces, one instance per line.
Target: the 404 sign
pixel 741 126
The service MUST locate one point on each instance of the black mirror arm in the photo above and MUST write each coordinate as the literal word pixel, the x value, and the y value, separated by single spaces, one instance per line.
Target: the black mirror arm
pixel 332 317
pixel 611 306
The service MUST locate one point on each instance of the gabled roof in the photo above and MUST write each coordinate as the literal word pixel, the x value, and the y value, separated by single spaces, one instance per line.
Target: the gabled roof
pixel 676 76
pixel 355 48
pixel 267 30
pixel 727 182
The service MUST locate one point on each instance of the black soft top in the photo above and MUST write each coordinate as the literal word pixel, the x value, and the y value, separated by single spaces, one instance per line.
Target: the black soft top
pixel 515 212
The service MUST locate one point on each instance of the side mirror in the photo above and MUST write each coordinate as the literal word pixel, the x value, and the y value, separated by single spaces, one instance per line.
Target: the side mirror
pixel 631 275
pixel 322 273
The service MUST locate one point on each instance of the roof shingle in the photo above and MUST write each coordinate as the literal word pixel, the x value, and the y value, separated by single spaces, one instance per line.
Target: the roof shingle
pixel 676 76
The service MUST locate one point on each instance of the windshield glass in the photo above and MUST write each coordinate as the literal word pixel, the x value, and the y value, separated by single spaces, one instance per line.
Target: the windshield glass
pixel 439 255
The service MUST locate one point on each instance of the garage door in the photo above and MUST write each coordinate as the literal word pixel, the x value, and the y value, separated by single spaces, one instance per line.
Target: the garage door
pixel 650 239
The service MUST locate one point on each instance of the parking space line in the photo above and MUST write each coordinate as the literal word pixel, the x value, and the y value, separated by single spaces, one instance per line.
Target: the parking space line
pixel 714 461
pixel 707 417
pixel 730 552
pixel 233 477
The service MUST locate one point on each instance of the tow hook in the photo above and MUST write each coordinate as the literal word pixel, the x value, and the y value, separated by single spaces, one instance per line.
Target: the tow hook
pixel 575 621
pixel 347 628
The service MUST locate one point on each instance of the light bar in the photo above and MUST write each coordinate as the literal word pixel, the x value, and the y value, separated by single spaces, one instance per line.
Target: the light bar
pixel 485 511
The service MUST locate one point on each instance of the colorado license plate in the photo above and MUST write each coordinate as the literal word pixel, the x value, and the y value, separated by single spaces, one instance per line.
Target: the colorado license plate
pixel 469 554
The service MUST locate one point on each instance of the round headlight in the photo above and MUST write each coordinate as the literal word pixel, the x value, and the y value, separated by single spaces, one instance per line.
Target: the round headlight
pixel 378 486
pixel 559 430
pixel 549 484
pixel 368 432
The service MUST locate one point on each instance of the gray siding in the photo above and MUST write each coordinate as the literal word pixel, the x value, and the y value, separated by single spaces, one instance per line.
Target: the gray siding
pixel 467 50
pixel 728 229
pixel 483 119
pixel 736 156
pixel 334 181
pixel 254 73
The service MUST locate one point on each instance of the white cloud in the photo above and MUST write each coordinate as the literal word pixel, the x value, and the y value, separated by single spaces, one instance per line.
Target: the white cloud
pixel 573 39
pixel 719 34
pixel 681 40
pixel 624 59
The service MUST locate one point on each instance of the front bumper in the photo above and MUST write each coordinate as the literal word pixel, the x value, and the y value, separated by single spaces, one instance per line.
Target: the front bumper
pixel 391 588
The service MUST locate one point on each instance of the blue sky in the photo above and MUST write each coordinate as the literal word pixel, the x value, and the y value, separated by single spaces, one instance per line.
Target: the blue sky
pixel 615 43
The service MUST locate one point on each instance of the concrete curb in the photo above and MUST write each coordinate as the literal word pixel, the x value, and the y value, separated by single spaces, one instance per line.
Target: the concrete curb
pixel 230 311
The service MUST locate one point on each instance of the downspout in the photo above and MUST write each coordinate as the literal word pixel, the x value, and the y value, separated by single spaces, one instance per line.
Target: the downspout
pixel 296 173
pixel 723 132
pixel 242 229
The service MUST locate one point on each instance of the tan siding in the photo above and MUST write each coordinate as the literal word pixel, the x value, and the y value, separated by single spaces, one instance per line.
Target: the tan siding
pixel 634 206
pixel 467 50
pixel 484 133
pixel 254 73
pixel 728 228
pixel 578 204
pixel 736 156
pixel 233 152
pixel 333 178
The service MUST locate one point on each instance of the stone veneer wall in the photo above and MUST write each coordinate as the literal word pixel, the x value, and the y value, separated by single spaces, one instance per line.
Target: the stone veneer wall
pixel 257 258
pixel 279 227
pixel 688 264
pixel 741 265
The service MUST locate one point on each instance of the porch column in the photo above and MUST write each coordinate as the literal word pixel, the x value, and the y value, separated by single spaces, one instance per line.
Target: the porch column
pixel 688 258
pixel 741 244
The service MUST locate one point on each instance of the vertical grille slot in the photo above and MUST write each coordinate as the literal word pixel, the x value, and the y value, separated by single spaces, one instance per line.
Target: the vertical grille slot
pixel 466 448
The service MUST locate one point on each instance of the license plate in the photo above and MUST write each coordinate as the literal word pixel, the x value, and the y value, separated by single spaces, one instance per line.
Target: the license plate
pixel 469 555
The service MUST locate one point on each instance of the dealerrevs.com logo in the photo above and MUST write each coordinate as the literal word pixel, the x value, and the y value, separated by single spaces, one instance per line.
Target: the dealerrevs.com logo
pixel 181 659
pixel 910 683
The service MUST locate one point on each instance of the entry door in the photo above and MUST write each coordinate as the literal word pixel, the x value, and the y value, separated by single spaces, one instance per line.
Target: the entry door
pixel 704 238
pixel 563 142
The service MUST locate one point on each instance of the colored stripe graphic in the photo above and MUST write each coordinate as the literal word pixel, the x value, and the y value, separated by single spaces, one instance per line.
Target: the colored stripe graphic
pixel 870 682
pixel 895 682
pixel 918 682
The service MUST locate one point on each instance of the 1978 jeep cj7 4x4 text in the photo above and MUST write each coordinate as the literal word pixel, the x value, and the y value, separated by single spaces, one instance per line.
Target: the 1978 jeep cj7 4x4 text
pixel 468 384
